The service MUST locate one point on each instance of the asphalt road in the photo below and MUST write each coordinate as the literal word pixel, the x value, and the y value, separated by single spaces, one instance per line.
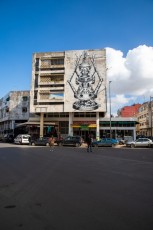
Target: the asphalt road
pixel 70 189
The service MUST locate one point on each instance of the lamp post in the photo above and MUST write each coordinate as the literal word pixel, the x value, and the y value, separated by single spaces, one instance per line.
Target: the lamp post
pixel 110 122
pixel 151 98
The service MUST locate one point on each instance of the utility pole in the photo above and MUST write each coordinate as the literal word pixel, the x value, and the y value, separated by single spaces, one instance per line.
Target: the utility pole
pixel 110 122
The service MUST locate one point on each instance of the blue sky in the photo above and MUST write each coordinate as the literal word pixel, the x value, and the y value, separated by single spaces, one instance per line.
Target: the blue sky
pixel 30 26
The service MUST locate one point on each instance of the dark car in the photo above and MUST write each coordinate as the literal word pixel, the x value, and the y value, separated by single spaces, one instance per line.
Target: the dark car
pixel 44 141
pixel 105 142
pixel 8 138
pixel 71 140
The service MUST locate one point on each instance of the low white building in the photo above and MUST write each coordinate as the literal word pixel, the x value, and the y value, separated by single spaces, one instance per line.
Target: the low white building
pixel 14 109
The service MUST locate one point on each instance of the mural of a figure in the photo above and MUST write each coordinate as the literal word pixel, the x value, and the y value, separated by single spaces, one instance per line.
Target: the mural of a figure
pixel 85 73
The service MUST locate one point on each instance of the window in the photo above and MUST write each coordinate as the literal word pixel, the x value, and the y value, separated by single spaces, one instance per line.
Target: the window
pixel 58 115
pixel 37 64
pixel 85 114
pixel 24 98
pixel 57 61
pixel 145 139
pixel 64 114
pixel 24 109
pixel 56 95
pixel 139 140
pixel 64 127
pixel 7 109
pixel 36 80
pixel 35 95
pixel 45 62
pixel 101 114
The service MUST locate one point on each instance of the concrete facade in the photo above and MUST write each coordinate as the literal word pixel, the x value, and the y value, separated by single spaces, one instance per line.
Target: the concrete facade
pixel 69 90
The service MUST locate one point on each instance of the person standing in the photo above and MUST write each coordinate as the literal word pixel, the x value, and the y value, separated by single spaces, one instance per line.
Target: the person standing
pixel 51 143
pixel 30 140
pixel 89 143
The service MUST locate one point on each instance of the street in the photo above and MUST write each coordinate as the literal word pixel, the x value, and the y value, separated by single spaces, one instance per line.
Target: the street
pixel 70 189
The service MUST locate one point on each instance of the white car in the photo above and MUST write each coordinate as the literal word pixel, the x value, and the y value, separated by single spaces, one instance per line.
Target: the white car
pixel 140 142
pixel 22 139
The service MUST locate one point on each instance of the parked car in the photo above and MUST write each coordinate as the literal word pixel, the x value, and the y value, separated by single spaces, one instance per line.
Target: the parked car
pixel 22 139
pixel 141 136
pixel 9 138
pixel 140 142
pixel 44 141
pixel 121 141
pixel 128 138
pixel 149 137
pixel 70 140
pixel 58 139
pixel 105 142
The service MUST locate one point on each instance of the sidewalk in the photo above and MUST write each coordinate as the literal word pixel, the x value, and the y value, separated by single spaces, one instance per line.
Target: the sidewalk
pixel 84 145
pixel 120 146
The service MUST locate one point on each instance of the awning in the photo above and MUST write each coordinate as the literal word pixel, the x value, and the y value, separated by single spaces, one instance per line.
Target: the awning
pixel 92 126
pixel 84 126
pixel 33 123
pixel 75 126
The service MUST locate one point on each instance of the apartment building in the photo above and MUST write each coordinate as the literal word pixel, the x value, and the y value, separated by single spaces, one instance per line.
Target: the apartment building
pixel 145 119
pixel 14 109
pixel 68 91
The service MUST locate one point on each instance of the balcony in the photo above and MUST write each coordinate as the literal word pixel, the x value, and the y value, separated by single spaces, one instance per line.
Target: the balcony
pixel 50 96
pixel 51 80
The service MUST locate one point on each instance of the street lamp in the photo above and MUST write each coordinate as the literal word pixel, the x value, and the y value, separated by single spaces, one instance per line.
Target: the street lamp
pixel 110 122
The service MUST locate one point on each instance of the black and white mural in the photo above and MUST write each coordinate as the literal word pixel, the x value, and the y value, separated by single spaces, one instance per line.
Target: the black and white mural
pixel 86 82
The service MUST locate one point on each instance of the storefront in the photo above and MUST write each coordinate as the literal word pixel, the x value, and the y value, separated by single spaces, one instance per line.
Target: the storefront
pixel 119 127
pixel 33 128
pixel 83 128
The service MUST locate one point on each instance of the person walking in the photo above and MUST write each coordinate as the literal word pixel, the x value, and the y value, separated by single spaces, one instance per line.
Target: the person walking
pixel 89 143
pixel 51 143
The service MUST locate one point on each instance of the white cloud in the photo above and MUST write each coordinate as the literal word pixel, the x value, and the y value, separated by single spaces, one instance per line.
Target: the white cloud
pixel 131 76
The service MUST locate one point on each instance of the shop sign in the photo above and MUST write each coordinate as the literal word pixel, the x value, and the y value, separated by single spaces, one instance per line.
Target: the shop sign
pixel 83 122
pixel 84 127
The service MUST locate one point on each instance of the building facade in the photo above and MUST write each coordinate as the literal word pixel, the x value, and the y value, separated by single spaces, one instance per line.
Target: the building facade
pixel 145 119
pixel 14 109
pixel 68 91
pixel 129 111
pixel 120 127
pixel 68 96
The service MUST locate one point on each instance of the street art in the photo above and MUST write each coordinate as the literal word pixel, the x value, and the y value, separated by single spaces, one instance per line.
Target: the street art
pixel 87 83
